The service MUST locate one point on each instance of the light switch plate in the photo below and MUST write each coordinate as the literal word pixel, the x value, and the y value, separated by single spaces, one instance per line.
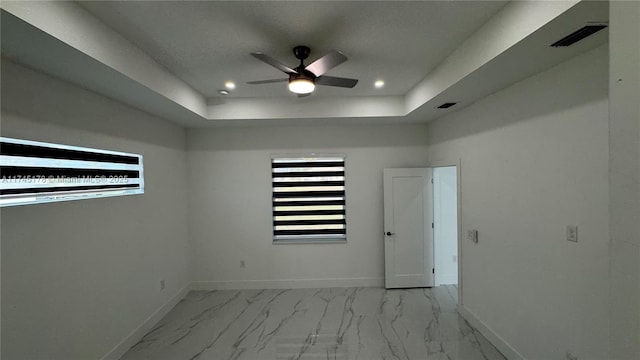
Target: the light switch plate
pixel 472 235
pixel 572 233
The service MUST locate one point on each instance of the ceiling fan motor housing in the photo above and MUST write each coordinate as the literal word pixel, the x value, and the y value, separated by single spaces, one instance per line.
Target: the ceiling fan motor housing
pixel 302 75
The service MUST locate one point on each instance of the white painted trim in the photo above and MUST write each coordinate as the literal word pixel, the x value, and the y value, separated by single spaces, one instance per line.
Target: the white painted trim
pixel 502 345
pixel 509 26
pixel 460 279
pixel 287 284
pixel 71 24
pixel 458 164
pixel 136 335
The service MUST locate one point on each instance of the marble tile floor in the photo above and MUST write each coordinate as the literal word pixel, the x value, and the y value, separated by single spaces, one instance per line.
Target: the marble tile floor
pixel 304 324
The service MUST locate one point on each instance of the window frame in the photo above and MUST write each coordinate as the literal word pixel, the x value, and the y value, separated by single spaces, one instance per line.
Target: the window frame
pixel 38 172
pixel 309 239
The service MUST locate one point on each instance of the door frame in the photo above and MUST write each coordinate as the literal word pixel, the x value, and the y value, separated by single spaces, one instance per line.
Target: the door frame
pixel 458 164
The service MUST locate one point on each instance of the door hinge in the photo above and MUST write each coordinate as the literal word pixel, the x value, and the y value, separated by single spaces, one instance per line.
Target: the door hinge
pixel 432 180
pixel 432 226
pixel 433 270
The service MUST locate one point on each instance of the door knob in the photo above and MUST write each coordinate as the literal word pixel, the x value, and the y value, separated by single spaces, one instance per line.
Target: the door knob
pixel 389 233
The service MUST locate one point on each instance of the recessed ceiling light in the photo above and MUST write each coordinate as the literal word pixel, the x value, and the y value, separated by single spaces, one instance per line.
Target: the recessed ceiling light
pixel 223 92
pixel 379 84
pixel 230 85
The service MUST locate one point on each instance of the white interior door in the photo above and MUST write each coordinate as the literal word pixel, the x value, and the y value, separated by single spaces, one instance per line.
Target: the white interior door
pixel 408 219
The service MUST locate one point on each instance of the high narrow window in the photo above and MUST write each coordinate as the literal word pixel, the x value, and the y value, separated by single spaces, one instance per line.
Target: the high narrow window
pixel 308 199
pixel 35 172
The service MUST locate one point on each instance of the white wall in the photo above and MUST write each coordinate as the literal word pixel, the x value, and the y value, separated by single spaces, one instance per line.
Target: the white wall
pixel 445 216
pixel 624 178
pixel 79 276
pixel 230 204
pixel 534 160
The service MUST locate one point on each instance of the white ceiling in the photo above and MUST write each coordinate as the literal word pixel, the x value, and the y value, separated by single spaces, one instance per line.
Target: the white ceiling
pixel 171 58
pixel 208 43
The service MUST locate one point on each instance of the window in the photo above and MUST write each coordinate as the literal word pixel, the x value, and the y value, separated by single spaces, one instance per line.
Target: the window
pixel 36 172
pixel 308 199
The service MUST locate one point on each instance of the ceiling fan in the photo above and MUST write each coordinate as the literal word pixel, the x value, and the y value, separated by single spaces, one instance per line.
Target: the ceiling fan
pixel 303 79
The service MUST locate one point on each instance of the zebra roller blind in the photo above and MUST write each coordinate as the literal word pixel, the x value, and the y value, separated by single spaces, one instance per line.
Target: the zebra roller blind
pixel 308 198
pixel 34 172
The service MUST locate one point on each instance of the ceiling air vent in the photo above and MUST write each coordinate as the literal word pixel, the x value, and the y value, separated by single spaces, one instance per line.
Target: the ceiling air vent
pixel 578 35
pixel 446 105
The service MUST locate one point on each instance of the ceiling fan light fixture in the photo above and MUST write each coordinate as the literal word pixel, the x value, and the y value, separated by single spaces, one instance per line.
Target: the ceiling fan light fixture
pixel 301 86
pixel 304 78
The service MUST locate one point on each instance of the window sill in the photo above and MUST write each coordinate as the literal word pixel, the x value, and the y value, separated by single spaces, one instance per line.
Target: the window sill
pixel 308 242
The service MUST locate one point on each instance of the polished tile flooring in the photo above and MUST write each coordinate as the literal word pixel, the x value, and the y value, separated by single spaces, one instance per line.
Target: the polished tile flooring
pixel 302 324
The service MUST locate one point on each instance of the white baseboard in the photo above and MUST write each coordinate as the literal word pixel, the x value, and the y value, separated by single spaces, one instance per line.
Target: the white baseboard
pixel 137 334
pixel 287 284
pixel 507 350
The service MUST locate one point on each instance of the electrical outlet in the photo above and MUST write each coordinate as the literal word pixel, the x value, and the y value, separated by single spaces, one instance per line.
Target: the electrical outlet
pixel 572 233
pixel 162 284
pixel 243 264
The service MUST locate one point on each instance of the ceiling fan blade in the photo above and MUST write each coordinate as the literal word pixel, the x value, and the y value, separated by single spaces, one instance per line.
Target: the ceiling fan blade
pixel 273 62
pixel 336 81
pixel 326 63
pixel 266 81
